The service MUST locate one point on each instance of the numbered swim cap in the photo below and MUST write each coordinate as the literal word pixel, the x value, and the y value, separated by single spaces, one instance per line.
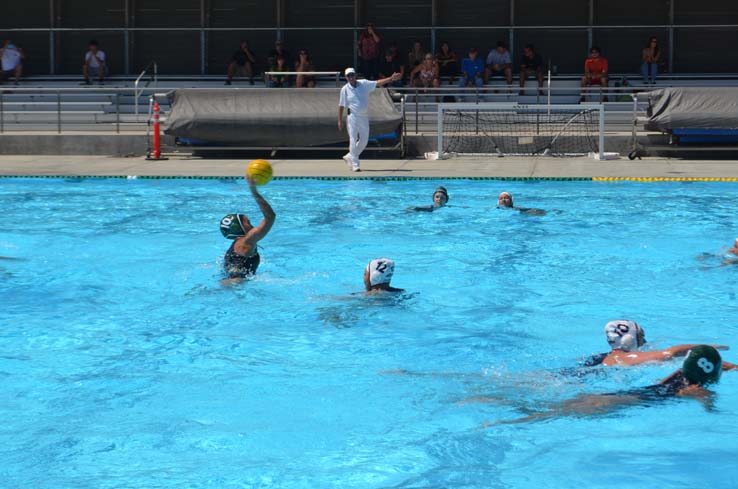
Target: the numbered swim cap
pixel 230 226
pixel 624 335
pixel 703 365
pixel 381 271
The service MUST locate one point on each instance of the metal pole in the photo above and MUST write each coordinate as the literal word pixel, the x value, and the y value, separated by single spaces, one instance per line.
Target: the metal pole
pixel 602 132
pixel 203 64
pixel 416 111
pixel 671 36
pixel 58 111
pixel 117 112
pixel 439 141
pixel 402 133
pixel 52 40
pixel 591 22
pixel 2 113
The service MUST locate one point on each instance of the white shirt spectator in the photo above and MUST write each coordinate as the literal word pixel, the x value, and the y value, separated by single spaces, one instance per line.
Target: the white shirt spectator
pixel 10 59
pixel 495 58
pixel 94 63
pixel 357 99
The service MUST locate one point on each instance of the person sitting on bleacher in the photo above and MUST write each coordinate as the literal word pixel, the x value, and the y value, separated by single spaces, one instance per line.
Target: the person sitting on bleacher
pixel 448 63
pixel 390 64
pixel 242 62
pixel 531 64
pixel 304 63
pixel 472 70
pixel 425 75
pixel 11 61
pixel 595 72
pixel 279 81
pixel 94 64
pixel 499 62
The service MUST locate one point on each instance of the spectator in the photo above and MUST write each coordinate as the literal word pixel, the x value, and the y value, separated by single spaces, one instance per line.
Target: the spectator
pixel 11 61
pixel 531 64
pixel 499 62
pixel 391 64
pixel 242 62
pixel 369 52
pixel 448 63
pixel 94 66
pixel 651 57
pixel 278 50
pixel 425 75
pixel 279 81
pixel 304 63
pixel 595 72
pixel 416 55
pixel 472 70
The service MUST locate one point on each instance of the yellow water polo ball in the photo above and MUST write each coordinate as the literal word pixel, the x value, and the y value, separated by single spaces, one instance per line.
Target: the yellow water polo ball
pixel 260 171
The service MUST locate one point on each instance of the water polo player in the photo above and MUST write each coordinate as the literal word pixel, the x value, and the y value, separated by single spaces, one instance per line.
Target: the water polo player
pixel 505 201
pixel 378 275
pixel 440 198
pixel 702 367
pixel 625 338
pixel 242 258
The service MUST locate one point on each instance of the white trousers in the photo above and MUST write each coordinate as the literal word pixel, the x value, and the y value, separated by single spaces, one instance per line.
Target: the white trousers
pixel 358 129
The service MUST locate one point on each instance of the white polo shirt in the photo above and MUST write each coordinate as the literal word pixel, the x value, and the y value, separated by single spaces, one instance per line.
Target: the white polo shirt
pixel 11 58
pixel 357 99
pixel 94 63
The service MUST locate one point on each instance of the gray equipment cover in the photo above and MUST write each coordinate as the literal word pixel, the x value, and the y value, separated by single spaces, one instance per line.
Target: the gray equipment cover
pixel 276 117
pixel 692 108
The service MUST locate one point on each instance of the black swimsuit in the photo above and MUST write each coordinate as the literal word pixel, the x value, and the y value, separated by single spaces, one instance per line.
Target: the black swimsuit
pixel 239 266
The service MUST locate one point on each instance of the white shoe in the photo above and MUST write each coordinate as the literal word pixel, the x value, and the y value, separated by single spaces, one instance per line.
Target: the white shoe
pixel 347 159
pixel 355 168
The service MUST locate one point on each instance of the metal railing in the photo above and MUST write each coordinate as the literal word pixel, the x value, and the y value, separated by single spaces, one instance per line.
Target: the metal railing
pixel 154 77
pixel 336 74
pixel 70 109
pixel 117 109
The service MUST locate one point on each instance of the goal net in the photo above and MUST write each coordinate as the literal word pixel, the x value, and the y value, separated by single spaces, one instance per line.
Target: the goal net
pixel 512 129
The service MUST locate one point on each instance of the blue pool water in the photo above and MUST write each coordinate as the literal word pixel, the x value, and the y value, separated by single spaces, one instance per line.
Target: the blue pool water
pixel 125 364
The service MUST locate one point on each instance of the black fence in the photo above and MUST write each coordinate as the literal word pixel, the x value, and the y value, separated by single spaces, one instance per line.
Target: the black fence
pixel 199 36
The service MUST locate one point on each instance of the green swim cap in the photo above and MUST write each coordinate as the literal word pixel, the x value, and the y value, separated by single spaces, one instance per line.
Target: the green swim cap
pixel 703 365
pixel 230 226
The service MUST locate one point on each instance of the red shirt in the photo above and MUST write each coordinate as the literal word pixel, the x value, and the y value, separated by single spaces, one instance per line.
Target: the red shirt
pixel 368 47
pixel 596 66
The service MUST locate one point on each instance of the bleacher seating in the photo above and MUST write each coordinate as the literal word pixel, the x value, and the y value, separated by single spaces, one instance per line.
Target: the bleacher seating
pixel 108 107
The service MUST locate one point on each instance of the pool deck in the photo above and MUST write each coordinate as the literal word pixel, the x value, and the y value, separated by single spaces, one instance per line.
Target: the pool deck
pixel 515 167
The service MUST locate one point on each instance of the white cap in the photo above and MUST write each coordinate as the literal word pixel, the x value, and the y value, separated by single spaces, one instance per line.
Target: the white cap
pixel 380 271
pixel 349 71
pixel 622 334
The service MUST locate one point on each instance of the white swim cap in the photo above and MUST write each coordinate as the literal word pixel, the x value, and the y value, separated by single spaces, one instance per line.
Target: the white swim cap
pixel 623 334
pixel 380 271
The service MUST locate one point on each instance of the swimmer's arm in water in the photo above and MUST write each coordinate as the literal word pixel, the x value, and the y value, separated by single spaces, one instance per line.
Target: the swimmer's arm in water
pixel 729 366
pixel 258 232
pixel 425 208
pixel 682 350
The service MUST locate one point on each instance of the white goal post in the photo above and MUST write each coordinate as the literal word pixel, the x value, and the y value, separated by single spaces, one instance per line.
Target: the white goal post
pixel 522 127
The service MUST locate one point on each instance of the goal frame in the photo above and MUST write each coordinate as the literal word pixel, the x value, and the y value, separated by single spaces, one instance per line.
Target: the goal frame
pixel 545 109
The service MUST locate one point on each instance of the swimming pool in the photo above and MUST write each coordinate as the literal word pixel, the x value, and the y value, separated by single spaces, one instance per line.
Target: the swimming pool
pixel 126 364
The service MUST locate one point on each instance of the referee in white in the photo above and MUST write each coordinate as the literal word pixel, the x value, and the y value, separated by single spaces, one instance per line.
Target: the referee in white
pixel 355 98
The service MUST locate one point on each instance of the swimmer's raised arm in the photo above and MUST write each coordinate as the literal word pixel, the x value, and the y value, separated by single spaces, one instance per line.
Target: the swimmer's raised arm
pixel 258 232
